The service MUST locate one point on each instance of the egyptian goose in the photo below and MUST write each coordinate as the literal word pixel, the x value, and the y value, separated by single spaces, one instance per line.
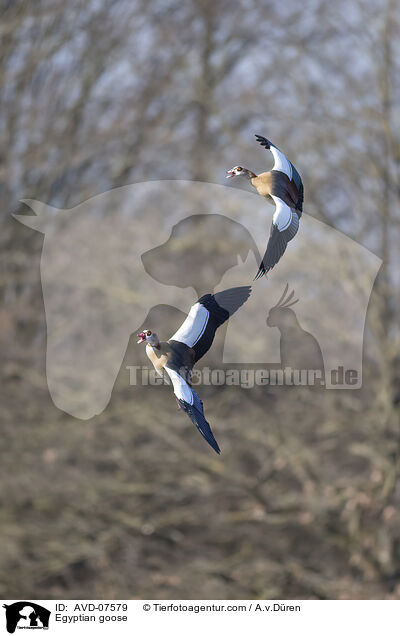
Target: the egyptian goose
pixel 284 186
pixel 193 339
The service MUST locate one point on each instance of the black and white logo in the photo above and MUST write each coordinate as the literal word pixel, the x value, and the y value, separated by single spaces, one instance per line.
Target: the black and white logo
pixel 26 615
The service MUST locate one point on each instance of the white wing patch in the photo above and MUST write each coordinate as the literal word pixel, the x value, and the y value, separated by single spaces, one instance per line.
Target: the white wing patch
pixel 281 163
pixel 283 214
pixel 181 388
pixel 193 327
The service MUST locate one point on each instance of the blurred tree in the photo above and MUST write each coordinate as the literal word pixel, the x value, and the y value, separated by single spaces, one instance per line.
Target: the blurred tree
pixel 98 94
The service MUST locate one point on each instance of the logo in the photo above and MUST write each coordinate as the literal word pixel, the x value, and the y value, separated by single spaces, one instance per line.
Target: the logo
pixel 157 247
pixel 26 615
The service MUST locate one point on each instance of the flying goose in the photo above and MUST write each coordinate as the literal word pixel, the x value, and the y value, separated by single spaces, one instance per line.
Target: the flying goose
pixel 193 339
pixel 284 186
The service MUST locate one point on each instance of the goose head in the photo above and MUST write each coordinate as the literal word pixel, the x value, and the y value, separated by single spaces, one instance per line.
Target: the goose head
pixel 149 337
pixel 238 171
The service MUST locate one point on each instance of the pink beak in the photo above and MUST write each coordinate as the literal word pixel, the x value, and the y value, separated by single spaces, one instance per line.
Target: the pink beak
pixel 229 174
pixel 142 337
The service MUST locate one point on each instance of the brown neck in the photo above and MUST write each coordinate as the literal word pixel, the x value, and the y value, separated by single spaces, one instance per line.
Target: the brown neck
pixel 249 173
pixel 154 341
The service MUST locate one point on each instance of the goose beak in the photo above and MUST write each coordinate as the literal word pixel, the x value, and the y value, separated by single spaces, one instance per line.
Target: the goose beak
pixel 142 337
pixel 229 174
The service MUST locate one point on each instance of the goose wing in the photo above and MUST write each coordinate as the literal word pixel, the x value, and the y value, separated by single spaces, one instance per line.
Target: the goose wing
pixel 282 164
pixel 206 315
pixel 285 224
pixel 191 404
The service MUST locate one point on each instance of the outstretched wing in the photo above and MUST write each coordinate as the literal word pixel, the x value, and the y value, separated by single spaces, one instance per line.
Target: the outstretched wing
pixel 206 315
pixel 282 164
pixel 284 227
pixel 189 401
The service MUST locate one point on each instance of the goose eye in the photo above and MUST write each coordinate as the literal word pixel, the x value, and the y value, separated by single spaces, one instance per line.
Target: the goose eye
pixel 238 169
pixel 149 333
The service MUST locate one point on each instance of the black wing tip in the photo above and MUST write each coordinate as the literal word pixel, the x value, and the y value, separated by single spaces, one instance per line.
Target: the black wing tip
pixel 242 290
pixel 205 431
pixel 263 271
pixel 263 141
pixel 230 300
pixel 214 444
